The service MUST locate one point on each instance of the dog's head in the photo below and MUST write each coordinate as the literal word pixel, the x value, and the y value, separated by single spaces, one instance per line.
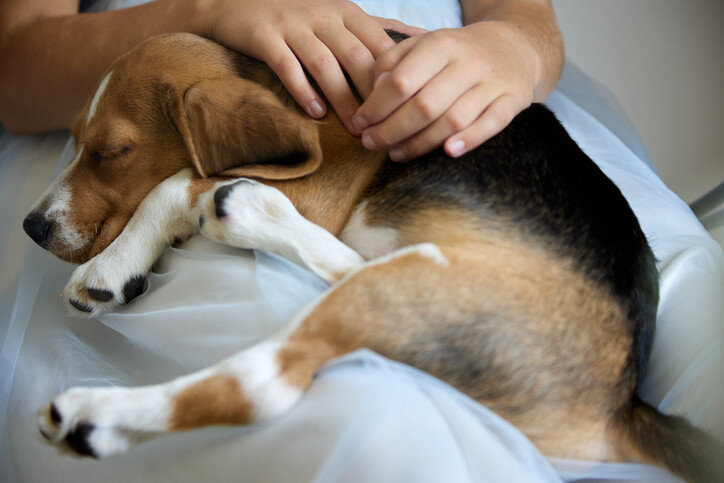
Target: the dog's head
pixel 176 101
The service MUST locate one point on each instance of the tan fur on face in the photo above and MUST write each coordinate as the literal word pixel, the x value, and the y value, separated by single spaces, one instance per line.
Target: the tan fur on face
pixel 129 146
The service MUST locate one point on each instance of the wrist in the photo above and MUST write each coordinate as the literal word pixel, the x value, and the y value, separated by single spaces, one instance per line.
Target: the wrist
pixel 534 37
pixel 513 40
pixel 192 16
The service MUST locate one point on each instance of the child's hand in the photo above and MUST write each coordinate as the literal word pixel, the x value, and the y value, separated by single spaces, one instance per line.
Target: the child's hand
pixel 327 37
pixel 459 87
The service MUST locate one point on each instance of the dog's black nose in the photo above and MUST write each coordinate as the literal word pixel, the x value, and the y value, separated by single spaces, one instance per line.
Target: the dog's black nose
pixel 38 228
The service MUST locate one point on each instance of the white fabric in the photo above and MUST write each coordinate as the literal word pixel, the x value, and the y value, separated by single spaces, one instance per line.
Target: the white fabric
pixel 365 418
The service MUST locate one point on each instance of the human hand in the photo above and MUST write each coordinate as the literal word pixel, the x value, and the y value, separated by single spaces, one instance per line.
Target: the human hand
pixel 457 87
pixel 327 37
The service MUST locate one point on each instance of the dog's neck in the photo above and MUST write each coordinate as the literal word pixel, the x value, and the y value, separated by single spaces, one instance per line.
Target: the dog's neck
pixel 328 196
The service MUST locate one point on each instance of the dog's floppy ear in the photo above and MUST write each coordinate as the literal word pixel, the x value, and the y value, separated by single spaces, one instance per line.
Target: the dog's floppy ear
pixel 236 127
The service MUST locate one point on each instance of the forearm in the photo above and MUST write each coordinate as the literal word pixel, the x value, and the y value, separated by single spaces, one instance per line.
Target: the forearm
pixel 535 21
pixel 50 64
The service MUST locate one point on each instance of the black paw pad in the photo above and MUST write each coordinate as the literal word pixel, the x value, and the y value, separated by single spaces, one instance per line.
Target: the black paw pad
pixel 219 197
pixel 78 439
pixel 80 305
pixel 55 415
pixel 133 288
pixel 100 295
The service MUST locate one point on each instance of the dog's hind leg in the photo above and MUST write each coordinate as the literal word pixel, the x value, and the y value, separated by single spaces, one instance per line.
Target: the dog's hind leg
pixel 249 214
pixel 255 385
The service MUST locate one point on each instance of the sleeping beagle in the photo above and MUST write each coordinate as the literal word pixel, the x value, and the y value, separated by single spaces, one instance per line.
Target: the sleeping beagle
pixel 518 273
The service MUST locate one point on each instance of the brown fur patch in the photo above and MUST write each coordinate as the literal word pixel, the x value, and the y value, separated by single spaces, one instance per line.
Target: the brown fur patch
pixel 199 186
pixel 328 196
pixel 235 127
pixel 214 401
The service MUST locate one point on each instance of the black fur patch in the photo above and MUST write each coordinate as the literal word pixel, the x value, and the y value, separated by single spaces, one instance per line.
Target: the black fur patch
pixel 534 177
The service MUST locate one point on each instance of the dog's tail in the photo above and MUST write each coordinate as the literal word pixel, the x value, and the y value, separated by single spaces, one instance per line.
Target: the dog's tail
pixel 647 435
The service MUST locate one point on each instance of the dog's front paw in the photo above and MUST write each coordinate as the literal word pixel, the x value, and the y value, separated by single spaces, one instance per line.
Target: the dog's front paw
pixel 99 286
pixel 247 214
pixel 84 419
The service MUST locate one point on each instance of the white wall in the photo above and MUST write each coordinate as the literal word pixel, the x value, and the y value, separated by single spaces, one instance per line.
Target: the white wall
pixel 664 60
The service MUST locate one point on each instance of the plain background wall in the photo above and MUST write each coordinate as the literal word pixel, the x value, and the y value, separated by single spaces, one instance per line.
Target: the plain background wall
pixel 664 60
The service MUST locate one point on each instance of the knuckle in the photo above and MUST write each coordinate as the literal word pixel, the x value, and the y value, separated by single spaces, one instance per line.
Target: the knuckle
pixel 443 39
pixel 349 8
pixel 358 55
pixel 384 63
pixel 401 84
pixel 457 120
pixel 284 65
pixel 426 108
pixel 499 117
pixel 320 63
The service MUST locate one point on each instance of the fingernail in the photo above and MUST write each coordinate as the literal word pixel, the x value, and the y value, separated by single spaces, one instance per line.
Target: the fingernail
pixel 316 109
pixel 368 142
pixel 456 148
pixel 359 123
pixel 397 154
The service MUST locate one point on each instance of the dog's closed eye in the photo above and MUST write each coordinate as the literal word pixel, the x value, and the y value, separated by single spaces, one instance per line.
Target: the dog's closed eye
pixel 107 154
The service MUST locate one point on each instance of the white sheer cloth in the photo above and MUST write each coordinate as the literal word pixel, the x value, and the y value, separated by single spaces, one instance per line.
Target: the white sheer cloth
pixel 365 418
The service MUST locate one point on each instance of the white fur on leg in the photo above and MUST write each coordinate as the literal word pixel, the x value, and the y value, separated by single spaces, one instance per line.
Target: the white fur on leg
pixel 107 421
pixel 259 216
pixel 164 214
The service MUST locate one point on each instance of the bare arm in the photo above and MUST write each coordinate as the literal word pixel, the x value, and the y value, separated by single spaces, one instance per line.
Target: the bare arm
pixel 536 22
pixel 51 56
pixel 459 87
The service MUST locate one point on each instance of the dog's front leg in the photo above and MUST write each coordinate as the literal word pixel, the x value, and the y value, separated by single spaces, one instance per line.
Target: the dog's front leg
pixel 249 214
pixel 117 274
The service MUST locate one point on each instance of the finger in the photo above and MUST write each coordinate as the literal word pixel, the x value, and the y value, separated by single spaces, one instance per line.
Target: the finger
pixel 354 57
pixel 369 32
pixel 323 66
pixel 392 58
pixel 421 111
pixel 466 110
pixel 394 88
pixel 495 118
pixel 287 67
